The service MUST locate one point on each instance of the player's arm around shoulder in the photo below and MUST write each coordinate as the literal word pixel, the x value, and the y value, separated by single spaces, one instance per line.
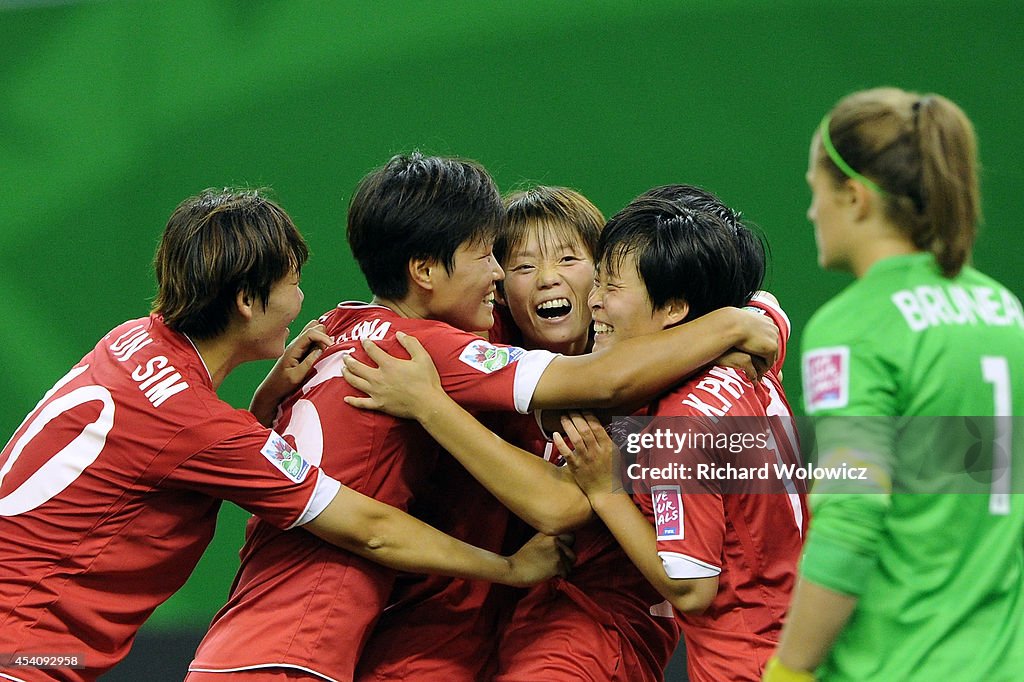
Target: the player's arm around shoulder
pixel 640 368
pixel 537 491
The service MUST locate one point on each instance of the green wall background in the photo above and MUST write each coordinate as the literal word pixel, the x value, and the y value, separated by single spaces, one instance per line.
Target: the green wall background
pixel 112 112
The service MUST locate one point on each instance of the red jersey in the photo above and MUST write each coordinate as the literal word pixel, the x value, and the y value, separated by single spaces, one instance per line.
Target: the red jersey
pixel 436 627
pixel 301 603
pixel 109 492
pixel 630 631
pixel 750 540
pixel 605 621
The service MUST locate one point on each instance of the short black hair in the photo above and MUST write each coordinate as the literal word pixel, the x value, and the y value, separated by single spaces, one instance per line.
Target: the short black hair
pixel 755 252
pixel 687 245
pixel 216 244
pixel 419 206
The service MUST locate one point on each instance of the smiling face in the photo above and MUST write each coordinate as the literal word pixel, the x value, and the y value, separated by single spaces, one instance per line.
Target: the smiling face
pixel 464 297
pixel 268 326
pixel 546 287
pixel 620 304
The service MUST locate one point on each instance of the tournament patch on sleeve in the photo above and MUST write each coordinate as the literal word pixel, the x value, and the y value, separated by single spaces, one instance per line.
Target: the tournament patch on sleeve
pixel 285 457
pixel 668 511
pixel 827 378
pixel 488 358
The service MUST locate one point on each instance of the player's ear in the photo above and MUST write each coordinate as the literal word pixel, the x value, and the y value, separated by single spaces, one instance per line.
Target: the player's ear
pixel 244 304
pixel 860 200
pixel 421 272
pixel 674 312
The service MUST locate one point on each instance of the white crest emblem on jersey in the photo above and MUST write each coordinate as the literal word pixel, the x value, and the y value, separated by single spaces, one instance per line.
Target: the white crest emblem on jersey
pixel 668 511
pixel 284 457
pixel 827 378
pixel 487 357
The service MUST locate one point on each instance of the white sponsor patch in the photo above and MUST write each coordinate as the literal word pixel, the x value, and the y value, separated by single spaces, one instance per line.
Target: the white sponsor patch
pixel 487 357
pixel 285 457
pixel 668 511
pixel 827 378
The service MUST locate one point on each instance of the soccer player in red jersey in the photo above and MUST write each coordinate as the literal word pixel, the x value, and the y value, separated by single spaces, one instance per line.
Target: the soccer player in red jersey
pixel 449 628
pixel 607 620
pixel 421 229
pixel 723 555
pixel 109 489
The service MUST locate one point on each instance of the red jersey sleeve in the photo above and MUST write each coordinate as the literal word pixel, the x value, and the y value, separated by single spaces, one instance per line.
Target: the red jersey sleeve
pixel 480 375
pixel 690 526
pixel 255 468
pixel 767 305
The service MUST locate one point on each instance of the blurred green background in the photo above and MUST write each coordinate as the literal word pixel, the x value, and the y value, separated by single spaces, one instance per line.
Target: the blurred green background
pixel 112 112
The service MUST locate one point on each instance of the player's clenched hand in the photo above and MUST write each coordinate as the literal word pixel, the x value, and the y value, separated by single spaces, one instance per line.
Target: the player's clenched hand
pixel 593 458
pixel 542 557
pixel 760 339
pixel 402 388
pixel 290 370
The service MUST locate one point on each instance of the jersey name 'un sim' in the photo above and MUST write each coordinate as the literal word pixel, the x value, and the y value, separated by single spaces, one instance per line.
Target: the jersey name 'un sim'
pixel 109 492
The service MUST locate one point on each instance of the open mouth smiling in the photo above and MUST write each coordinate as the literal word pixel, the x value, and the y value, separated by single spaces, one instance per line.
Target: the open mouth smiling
pixel 554 309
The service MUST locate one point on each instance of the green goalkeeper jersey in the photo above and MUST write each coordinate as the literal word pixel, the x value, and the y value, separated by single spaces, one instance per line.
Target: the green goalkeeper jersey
pixel 919 378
